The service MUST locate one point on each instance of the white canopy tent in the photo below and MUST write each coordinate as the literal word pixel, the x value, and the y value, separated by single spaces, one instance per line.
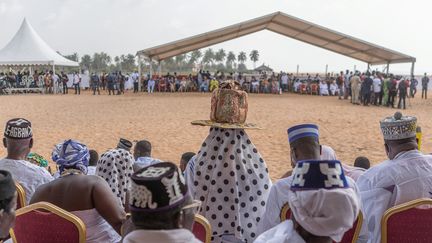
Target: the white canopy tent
pixel 27 48
pixel 289 26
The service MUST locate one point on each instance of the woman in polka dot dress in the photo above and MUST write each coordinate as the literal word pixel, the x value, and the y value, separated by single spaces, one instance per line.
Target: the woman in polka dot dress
pixel 232 181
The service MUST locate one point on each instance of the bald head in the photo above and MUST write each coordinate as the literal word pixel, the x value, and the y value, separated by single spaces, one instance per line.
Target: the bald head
pixel 142 149
pixel 304 149
pixel 394 147
pixel 17 149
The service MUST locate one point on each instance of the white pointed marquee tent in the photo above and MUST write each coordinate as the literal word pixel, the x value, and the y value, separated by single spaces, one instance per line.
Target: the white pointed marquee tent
pixel 27 48
pixel 289 26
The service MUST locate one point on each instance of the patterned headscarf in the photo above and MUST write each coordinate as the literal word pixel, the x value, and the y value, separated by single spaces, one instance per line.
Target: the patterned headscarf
pixel 37 159
pixel 71 154
pixel 116 167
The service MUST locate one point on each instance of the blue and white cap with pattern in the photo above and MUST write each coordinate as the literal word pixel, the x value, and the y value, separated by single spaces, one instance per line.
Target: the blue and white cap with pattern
pixel 318 174
pixel 301 131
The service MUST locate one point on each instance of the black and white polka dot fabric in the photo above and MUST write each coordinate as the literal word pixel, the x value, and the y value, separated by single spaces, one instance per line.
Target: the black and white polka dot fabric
pixel 115 167
pixel 231 179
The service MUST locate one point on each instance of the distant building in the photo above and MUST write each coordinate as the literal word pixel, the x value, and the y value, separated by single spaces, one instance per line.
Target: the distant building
pixel 263 68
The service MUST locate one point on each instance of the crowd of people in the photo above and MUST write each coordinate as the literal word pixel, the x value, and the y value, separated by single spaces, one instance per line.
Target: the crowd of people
pixel 226 181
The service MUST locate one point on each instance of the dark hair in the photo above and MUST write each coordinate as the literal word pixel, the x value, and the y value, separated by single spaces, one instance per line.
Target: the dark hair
pixel 94 157
pixel 362 162
pixel 187 156
pixel 156 220
pixel 143 147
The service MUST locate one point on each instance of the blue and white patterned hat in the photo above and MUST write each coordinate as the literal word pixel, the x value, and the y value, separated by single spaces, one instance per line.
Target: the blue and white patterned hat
pixel 398 127
pixel 318 174
pixel 301 131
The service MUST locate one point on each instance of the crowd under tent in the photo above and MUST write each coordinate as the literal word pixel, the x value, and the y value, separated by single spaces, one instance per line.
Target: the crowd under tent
pixel 286 25
pixel 27 48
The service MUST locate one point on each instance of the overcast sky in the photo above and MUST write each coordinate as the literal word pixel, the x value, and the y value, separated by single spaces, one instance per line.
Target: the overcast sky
pixel 126 26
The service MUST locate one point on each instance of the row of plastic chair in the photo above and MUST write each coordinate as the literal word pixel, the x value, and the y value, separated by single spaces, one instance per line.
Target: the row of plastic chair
pixel 407 222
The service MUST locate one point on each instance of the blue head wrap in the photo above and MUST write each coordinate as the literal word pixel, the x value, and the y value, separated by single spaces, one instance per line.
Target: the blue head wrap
pixel 71 154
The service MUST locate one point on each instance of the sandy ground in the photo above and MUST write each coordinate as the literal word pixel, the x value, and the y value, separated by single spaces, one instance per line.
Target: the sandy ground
pixel 164 119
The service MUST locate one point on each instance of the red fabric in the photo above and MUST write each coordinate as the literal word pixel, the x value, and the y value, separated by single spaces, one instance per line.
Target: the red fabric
pixel 37 226
pixel 288 214
pixel 349 235
pixel 412 225
pixel 199 231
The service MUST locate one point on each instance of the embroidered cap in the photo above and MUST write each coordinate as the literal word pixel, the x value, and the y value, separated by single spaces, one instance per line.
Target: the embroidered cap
pixel 124 144
pixel 398 127
pixel 318 174
pixel 18 128
pixel 156 188
pixel 301 131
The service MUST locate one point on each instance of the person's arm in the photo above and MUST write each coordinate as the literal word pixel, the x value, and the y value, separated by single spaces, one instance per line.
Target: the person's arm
pixel 107 204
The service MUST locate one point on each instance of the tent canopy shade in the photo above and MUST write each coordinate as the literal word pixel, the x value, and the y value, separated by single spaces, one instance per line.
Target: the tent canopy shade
pixel 289 26
pixel 28 48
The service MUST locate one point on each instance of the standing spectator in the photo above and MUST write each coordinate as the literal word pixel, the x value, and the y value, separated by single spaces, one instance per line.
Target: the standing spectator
pixel 284 81
pixel 151 85
pixel 135 79
pixel 121 82
pixel 413 87
pixel 385 89
pixel 392 92
pixel 340 83
pixel 355 88
pixel 377 90
pixel 103 80
pixel 76 82
pixel 402 92
pixel 425 81
pixel 65 80
pixel 347 84
pixel 95 82
pixel 110 83
pixel 367 89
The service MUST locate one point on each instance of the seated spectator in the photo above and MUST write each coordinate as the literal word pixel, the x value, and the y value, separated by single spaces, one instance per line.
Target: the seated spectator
pixel 116 167
pixel 327 153
pixel 255 85
pixel 214 84
pixel 87 197
pixel 333 89
pixel 8 203
pixel 405 176
pixel 94 157
pixel 18 140
pixel 124 144
pixel 323 88
pixel 183 85
pixel 161 207
pixel 204 85
pixel 321 212
pixel 38 160
pixel 185 159
pixel 142 155
pixel 275 86
pixel 362 162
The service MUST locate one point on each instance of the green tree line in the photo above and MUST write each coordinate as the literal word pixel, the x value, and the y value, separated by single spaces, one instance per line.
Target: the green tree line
pixel 208 59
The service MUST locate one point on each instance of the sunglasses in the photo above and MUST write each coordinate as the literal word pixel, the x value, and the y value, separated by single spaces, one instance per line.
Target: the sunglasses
pixel 195 206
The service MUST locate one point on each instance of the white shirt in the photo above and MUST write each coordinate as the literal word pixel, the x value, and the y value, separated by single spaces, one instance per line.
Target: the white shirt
pixel 284 79
pixel 76 78
pixel 377 85
pixel 135 77
pixel 30 176
pixel 405 178
pixel 91 170
pixel 281 233
pixel 323 88
pixel 146 161
pixel 161 236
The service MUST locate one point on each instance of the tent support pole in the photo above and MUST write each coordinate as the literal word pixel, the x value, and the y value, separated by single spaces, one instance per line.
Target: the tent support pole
pixel 151 68
pixel 387 68
pixel 326 70
pixel 412 69
pixel 159 68
pixel 368 67
pixel 54 85
pixel 139 72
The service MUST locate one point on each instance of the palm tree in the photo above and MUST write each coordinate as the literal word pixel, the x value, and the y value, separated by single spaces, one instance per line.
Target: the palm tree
pixel 73 57
pixel 230 59
pixel 194 57
pixel 242 57
pixel 254 56
pixel 86 61
pixel 220 55
pixel 208 56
